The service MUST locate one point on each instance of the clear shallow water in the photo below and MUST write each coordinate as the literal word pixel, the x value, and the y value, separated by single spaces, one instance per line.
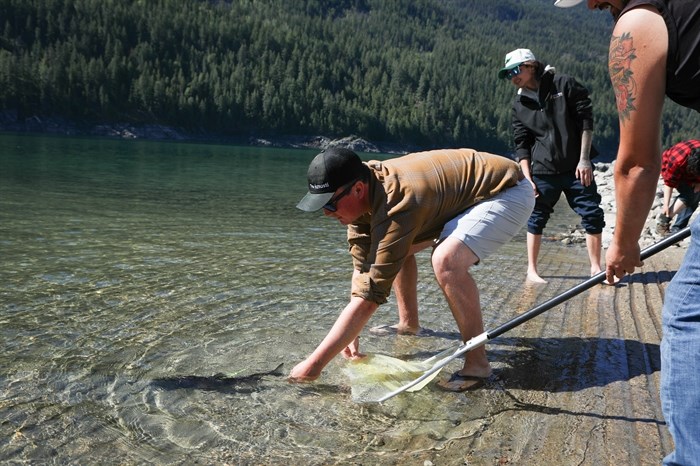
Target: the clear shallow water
pixel 132 272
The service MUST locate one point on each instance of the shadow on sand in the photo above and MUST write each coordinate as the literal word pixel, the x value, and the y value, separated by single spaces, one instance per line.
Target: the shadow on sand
pixel 571 364
pixel 564 364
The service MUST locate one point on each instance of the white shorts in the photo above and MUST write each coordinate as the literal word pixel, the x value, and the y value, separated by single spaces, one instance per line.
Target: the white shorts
pixel 488 225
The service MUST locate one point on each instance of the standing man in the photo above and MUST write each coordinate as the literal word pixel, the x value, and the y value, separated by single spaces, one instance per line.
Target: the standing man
pixel 680 168
pixel 463 203
pixel 553 129
pixel 655 52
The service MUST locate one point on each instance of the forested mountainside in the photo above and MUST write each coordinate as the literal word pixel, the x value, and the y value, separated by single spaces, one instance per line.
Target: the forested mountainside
pixel 415 72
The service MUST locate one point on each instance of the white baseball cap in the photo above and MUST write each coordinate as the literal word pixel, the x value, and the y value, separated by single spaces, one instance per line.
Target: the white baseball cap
pixel 567 3
pixel 515 58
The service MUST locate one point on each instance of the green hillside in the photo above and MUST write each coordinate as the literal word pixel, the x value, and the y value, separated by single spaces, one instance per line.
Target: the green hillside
pixel 415 72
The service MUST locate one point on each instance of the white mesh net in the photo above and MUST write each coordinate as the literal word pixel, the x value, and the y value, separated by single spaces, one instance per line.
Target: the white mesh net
pixel 376 375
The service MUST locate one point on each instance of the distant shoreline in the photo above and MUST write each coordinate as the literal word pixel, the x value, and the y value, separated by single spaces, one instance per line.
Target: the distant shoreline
pixel 157 132
pixel 60 127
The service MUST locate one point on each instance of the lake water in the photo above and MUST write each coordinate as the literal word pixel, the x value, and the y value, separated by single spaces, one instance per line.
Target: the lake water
pixel 133 272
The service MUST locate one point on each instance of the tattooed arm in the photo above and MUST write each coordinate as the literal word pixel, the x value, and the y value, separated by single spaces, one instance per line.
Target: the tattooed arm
pixel 637 66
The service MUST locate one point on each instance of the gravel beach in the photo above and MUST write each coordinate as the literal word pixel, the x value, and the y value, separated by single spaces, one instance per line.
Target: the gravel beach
pixel 606 188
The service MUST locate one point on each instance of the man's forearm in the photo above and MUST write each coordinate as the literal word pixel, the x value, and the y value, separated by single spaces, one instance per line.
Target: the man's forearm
pixel 586 143
pixel 525 167
pixel 634 192
pixel 667 197
pixel 349 324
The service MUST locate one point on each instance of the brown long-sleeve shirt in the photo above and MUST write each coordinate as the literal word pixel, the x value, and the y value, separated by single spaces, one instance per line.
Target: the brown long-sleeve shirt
pixel 412 198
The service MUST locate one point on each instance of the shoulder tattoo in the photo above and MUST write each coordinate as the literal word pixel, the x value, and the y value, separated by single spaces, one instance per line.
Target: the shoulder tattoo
pixel 619 65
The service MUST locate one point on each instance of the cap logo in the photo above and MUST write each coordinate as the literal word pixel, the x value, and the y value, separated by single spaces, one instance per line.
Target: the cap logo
pixel 319 186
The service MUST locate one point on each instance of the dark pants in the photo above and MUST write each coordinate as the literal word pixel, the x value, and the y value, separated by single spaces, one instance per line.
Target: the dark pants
pixel 691 199
pixel 584 200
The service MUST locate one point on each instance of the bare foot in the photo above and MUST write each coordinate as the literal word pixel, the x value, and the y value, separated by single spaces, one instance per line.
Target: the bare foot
pixel 535 278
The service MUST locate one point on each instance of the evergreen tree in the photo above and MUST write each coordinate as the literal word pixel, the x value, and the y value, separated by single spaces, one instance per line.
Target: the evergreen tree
pixel 420 72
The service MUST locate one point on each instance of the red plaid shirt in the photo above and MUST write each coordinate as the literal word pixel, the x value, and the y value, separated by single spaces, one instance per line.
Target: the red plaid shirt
pixel 673 164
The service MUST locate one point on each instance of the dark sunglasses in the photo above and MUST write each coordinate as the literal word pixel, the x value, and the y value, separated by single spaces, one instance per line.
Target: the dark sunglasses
pixel 332 205
pixel 515 71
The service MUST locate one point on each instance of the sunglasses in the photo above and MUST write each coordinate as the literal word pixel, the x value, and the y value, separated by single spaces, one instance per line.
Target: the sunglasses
pixel 516 71
pixel 332 205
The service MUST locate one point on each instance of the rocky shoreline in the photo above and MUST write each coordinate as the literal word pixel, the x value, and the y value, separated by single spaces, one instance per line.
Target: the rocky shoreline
pixel 606 188
pixel 10 122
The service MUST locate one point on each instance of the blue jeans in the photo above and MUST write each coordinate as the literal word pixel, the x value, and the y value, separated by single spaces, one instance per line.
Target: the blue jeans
pixel 680 357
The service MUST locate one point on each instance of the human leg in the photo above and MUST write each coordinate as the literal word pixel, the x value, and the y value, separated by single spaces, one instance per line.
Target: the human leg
pixel 683 215
pixel 405 289
pixel 465 241
pixel 680 364
pixel 533 250
pixel 594 244
pixel 451 262
pixel 549 194
pixel 684 206
pixel 585 201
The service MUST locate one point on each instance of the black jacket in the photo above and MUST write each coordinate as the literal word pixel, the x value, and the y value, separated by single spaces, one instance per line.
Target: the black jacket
pixel 548 131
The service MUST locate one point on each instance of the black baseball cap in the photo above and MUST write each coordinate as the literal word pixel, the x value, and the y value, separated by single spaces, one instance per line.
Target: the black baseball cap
pixel 328 171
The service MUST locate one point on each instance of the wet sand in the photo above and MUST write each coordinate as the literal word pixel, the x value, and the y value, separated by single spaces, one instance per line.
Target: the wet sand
pixel 578 385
